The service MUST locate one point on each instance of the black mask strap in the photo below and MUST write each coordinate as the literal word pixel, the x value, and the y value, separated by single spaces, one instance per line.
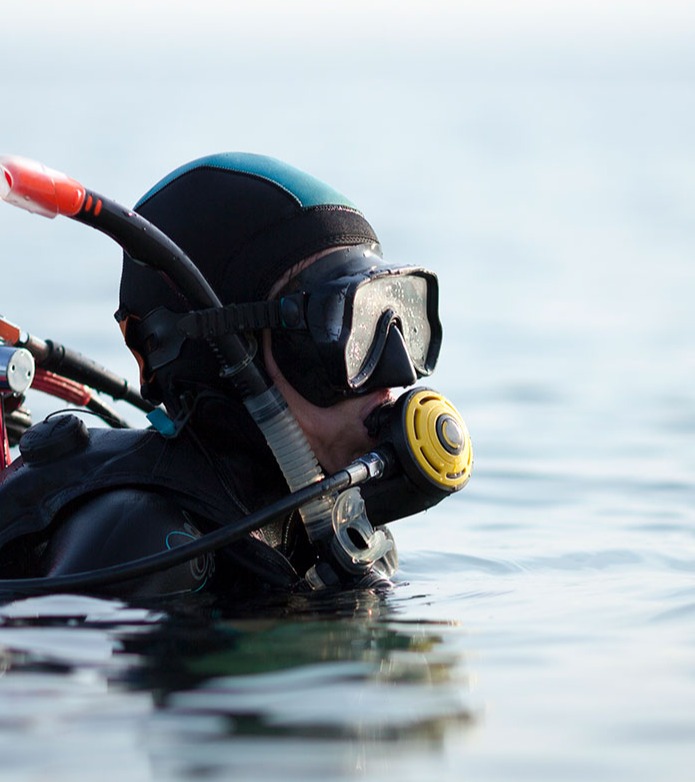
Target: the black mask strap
pixel 250 316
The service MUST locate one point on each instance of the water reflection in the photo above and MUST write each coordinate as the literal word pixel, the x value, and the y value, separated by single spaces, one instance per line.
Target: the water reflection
pixel 306 687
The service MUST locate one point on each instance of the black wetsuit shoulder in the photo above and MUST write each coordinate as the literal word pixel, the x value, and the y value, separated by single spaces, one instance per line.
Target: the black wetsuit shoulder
pixel 116 496
pixel 121 525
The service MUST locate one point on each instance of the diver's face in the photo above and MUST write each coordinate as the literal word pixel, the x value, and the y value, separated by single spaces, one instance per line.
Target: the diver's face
pixel 337 434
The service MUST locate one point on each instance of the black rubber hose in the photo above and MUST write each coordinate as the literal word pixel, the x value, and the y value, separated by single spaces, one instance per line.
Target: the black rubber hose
pixel 144 242
pixel 107 413
pixel 75 366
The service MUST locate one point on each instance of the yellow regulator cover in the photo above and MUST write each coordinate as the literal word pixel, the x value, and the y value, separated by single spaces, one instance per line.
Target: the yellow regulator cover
pixel 438 440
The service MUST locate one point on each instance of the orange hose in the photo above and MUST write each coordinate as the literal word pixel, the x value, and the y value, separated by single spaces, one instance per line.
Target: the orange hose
pixel 69 390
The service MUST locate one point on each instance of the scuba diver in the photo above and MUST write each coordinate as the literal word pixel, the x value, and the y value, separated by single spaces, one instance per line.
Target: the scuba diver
pixel 329 326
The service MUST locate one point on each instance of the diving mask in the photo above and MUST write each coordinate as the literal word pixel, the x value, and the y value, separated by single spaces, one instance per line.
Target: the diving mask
pixel 351 323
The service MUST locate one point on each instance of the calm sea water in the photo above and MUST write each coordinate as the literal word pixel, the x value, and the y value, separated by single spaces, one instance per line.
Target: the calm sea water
pixel 541 626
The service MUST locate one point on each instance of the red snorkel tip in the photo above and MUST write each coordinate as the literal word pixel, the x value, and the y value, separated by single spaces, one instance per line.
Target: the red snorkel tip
pixel 36 188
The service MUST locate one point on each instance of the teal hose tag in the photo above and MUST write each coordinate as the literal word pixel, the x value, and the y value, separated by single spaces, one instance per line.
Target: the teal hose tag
pixel 162 423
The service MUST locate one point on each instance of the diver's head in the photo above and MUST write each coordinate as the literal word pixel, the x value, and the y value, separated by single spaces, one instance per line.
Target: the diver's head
pixel 345 323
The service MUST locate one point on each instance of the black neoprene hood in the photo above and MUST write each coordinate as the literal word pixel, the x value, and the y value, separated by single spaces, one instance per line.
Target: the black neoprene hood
pixel 243 220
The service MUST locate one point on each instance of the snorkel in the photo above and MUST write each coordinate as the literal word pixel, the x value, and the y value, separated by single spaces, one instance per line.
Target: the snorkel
pixel 347 544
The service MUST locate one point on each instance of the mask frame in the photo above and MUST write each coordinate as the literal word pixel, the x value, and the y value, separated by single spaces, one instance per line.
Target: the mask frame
pixel 317 313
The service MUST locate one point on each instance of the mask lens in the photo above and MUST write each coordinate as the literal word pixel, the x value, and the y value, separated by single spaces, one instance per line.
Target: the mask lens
pixel 406 296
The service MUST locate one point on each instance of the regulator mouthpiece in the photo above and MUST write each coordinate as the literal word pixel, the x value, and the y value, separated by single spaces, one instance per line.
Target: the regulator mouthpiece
pixel 32 186
pixel 429 439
